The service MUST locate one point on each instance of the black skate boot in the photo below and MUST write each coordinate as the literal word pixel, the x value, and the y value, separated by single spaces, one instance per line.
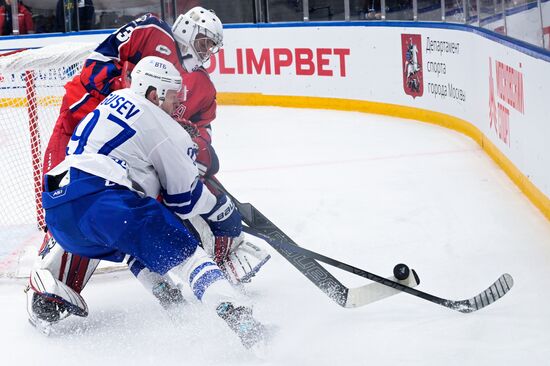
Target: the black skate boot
pixel 250 331
pixel 168 296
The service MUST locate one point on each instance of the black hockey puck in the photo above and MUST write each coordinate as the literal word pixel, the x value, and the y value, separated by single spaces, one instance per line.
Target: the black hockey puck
pixel 401 271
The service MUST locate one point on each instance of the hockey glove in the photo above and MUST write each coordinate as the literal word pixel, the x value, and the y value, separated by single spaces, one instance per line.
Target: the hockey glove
pixel 225 223
pixel 188 126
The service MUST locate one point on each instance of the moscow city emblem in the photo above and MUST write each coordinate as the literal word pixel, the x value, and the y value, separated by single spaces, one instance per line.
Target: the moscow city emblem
pixel 411 50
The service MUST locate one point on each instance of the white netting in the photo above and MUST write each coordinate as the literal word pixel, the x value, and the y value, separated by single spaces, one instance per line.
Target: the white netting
pixel 31 89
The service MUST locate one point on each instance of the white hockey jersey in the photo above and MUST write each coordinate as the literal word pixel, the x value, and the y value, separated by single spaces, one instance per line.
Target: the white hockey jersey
pixel 130 141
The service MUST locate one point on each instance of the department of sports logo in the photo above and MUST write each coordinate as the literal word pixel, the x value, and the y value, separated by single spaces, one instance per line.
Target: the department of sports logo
pixel 411 51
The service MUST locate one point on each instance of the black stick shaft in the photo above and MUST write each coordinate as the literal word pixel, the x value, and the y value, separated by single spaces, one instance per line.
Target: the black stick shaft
pixel 312 270
pixel 305 261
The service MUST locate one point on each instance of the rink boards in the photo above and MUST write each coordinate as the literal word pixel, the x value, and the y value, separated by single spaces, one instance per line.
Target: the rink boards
pixel 486 86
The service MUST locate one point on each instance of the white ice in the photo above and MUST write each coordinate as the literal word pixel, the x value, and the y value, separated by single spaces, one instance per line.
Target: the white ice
pixel 368 190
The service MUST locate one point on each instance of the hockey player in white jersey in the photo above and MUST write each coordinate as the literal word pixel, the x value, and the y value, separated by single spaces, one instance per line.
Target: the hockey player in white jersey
pixel 239 259
pixel 100 201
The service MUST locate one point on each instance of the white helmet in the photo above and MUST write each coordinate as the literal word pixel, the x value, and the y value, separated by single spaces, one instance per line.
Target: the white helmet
pixel 199 34
pixel 155 72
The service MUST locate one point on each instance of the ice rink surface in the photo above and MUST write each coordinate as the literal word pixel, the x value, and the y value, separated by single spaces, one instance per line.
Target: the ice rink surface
pixel 368 190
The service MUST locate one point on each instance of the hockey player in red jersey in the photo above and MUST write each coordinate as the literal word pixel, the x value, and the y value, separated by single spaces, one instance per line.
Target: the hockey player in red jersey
pixel 103 73
pixel 188 44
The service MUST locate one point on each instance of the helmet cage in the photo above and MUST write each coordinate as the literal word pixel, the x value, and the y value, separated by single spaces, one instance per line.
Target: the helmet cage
pixel 205 43
pixel 199 35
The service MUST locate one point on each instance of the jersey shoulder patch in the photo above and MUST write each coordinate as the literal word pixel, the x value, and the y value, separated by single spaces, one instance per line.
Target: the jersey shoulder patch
pixel 163 49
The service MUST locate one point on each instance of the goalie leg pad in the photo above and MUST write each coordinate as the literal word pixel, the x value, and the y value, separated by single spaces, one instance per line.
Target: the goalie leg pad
pixel 50 300
pixel 43 283
pixel 73 270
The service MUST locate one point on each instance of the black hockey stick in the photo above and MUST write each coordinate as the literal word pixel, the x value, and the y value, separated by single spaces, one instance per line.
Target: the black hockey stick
pixel 309 267
pixel 494 292
pixel 304 259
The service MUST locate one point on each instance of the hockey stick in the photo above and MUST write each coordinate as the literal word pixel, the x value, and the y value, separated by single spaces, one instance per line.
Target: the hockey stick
pixel 260 226
pixel 494 292
pixel 324 280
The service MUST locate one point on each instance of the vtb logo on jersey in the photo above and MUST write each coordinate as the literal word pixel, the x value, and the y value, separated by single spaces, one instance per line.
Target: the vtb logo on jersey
pixel 411 51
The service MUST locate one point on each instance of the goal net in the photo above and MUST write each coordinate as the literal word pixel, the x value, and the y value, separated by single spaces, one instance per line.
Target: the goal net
pixel 31 89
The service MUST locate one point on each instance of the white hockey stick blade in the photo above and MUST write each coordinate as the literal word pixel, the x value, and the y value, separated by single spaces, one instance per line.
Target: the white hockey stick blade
pixel 360 296
pixel 43 282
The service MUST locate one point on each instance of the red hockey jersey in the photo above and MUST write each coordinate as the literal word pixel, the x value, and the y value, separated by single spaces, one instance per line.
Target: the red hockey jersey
pixel 103 73
pixel 145 36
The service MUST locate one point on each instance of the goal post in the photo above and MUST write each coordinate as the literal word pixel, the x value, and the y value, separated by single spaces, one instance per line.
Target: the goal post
pixel 31 89
pixel 36 146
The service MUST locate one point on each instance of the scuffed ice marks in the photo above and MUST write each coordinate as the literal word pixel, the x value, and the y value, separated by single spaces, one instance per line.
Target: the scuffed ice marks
pixel 145 333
